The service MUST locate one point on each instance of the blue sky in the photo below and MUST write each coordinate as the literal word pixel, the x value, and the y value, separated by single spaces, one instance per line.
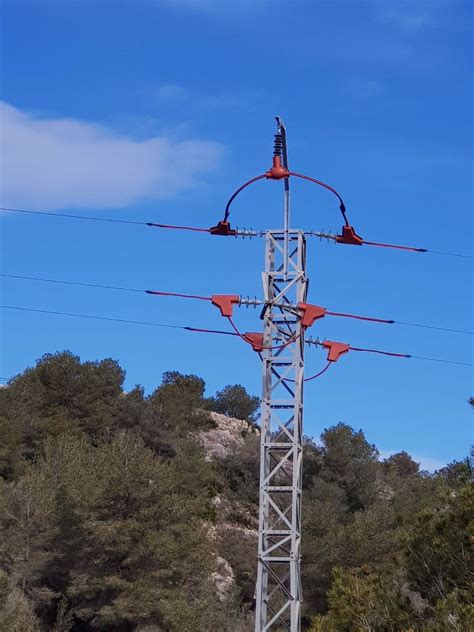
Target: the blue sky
pixel 157 110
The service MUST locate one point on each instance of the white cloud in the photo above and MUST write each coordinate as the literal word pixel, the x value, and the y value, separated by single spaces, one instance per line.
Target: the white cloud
pixel 426 462
pixel 60 162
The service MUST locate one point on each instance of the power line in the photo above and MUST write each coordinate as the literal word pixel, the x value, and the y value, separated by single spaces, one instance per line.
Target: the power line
pixel 415 249
pixel 371 319
pixel 400 322
pixel 342 206
pixel 456 331
pixel 236 193
pixel 278 172
pixel 208 298
pixel 117 320
pixel 408 356
pixel 351 238
pixel 105 287
pixel 286 319
pixel 102 219
pixel 442 360
pixel 387 353
pixel 179 295
pixel 69 216
pixel 315 375
pixel 208 331
pixel 175 227
pixel 61 282
pixel 451 254
pixel 229 231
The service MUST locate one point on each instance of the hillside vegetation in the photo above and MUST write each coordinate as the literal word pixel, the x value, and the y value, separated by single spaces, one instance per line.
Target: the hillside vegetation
pixel 119 513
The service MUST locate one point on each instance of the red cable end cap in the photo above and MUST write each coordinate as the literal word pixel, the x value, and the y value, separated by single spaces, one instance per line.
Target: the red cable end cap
pixel 277 172
pixel 225 302
pixel 336 349
pixel 254 339
pixel 349 236
pixel 222 228
pixel 310 313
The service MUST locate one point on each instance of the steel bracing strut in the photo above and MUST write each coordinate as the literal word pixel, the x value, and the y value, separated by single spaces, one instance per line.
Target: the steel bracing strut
pixel 278 590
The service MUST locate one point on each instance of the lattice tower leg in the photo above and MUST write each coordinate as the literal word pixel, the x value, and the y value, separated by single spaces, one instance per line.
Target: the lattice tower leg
pixel 278 590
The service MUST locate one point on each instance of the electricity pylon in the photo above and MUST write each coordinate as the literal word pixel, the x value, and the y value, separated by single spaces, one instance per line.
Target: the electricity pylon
pixel 278 590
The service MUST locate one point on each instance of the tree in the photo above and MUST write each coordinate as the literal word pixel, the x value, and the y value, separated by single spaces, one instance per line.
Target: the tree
pixel 138 522
pixel 121 478
pixel 324 510
pixel 238 546
pixel 145 555
pixel 16 612
pixel 10 447
pixel 60 394
pixel 234 401
pixel 402 464
pixel 239 473
pixel 370 537
pixel 454 613
pixel 363 601
pixel 177 405
pixel 27 529
pixel 438 550
pixel 351 462
pixel 456 473
pixel 64 618
pixel 312 462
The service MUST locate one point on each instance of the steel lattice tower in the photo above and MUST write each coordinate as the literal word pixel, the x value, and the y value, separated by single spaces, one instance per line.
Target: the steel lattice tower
pixel 278 590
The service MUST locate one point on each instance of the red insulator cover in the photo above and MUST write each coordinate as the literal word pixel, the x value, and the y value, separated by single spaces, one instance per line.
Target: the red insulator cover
pixel 222 228
pixel 225 302
pixel 336 349
pixel 349 236
pixel 310 313
pixel 277 171
pixel 255 339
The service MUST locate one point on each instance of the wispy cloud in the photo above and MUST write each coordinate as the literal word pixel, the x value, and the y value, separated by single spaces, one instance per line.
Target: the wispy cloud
pixel 428 463
pixel 63 162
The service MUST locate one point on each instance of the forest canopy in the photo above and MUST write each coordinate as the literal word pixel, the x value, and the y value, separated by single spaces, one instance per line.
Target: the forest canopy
pixel 114 518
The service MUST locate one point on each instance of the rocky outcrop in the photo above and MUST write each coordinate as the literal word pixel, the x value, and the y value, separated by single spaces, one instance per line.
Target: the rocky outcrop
pixel 236 544
pixel 223 577
pixel 227 435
